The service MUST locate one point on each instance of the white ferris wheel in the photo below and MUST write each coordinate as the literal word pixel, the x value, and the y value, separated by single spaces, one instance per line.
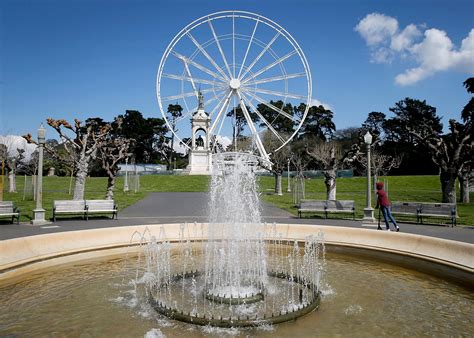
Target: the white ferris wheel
pixel 249 70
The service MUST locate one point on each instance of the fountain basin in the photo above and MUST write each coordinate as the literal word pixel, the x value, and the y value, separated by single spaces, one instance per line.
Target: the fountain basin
pixel 23 255
pixel 73 281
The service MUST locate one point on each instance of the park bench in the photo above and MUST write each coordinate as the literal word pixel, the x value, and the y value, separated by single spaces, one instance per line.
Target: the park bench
pixel 71 207
pixel 342 206
pixel 327 207
pixel 420 210
pixel 311 206
pixel 101 207
pixel 7 209
pixel 444 210
pixel 406 209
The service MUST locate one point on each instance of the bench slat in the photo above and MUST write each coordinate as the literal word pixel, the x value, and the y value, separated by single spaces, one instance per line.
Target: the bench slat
pixel 345 206
pixel 101 207
pixel 419 209
pixel 7 209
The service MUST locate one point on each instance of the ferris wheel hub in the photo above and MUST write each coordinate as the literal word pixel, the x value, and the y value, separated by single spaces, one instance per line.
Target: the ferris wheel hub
pixel 234 83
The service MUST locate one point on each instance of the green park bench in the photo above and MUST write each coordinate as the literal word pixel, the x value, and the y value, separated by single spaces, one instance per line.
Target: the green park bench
pixel 101 207
pixel 327 206
pixel 69 207
pixel 7 209
pixel 84 208
pixel 420 210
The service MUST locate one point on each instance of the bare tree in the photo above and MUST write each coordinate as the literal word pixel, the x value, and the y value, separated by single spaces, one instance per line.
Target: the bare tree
pixel 278 158
pixel 81 146
pixel 381 163
pixel 112 150
pixel 330 157
pixel 450 153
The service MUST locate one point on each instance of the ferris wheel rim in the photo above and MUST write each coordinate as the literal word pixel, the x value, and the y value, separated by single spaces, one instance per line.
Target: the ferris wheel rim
pixel 245 15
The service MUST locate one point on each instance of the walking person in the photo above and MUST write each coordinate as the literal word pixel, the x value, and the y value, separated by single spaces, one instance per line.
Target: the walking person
pixel 384 204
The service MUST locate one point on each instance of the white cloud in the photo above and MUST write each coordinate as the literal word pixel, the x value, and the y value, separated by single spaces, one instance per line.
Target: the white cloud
pixel 375 28
pixel 317 103
pixel 437 53
pixel 434 53
pixel 405 39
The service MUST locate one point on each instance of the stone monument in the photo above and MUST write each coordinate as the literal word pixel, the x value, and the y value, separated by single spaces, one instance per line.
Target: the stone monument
pixel 200 161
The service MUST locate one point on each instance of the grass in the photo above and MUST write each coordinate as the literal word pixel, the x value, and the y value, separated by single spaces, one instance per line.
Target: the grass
pixel 400 188
pixel 57 188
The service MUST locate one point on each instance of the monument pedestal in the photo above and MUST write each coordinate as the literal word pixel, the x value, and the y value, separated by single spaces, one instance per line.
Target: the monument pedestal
pixel 200 162
pixel 39 217
pixel 369 219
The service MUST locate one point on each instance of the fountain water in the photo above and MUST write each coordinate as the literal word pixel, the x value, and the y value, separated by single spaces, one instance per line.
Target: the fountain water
pixel 238 277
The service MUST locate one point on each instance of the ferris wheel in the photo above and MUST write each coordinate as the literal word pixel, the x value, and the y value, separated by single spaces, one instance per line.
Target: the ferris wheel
pixel 250 72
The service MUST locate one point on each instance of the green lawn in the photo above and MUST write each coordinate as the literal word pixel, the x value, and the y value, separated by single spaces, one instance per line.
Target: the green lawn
pixel 401 188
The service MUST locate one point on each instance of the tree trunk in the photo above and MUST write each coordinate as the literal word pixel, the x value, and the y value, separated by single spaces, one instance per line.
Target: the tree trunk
pixel 12 182
pixel 330 182
pixel 278 183
pixel 465 186
pixel 79 187
pixel 170 156
pixel 448 186
pixel 110 187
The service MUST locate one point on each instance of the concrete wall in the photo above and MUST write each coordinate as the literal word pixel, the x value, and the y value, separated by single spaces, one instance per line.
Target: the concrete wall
pixel 22 256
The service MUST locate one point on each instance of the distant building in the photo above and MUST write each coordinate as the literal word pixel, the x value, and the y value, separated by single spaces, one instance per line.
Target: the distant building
pixel 142 169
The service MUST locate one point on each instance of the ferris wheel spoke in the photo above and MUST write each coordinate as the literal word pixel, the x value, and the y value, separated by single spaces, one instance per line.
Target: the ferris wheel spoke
pixel 275 78
pixel 248 48
pixel 218 132
pixel 264 50
pixel 219 47
pixel 271 106
pixel 189 79
pixel 197 65
pixel 223 107
pixel 222 98
pixel 192 81
pixel 188 94
pixel 271 65
pixel 251 126
pixel 206 54
pixel 263 119
pixel 271 92
pixel 192 111
pixel 233 46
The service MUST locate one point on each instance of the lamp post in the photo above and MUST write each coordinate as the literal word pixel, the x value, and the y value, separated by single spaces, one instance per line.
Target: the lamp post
pixel 289 185
pixel 368 210
pixel 39 212
pixel 125 183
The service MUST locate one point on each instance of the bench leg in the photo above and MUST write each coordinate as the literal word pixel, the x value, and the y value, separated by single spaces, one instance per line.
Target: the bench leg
pixel 18 218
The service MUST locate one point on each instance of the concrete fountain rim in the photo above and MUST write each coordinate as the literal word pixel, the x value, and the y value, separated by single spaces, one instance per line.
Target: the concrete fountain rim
pixel 20 256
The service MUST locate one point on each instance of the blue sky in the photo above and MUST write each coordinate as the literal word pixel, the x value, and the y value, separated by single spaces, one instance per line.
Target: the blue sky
pixel 86 58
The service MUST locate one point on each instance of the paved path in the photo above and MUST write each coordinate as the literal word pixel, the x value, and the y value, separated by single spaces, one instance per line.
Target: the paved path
pixel 159 208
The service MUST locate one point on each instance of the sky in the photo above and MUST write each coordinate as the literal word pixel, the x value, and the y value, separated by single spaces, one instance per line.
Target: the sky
pixel 97 58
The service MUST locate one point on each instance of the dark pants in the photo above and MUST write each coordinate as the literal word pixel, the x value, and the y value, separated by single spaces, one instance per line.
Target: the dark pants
pixel 387 215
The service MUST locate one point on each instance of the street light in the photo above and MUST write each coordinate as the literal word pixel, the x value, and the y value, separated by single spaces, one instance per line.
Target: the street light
pixel 368 210
pixel 39 212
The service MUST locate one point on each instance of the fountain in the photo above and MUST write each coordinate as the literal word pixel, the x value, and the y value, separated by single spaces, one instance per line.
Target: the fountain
pixel 237 279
